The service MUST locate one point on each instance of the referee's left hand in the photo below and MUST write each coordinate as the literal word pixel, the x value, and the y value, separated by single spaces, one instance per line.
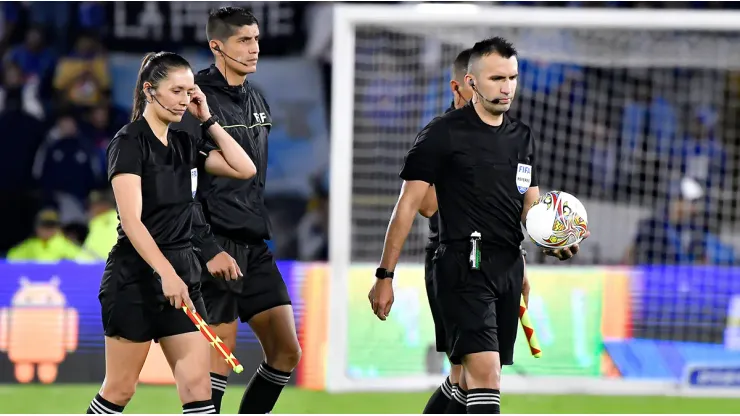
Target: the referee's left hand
pixel 198 106
pixel 381 298
pixel 566 253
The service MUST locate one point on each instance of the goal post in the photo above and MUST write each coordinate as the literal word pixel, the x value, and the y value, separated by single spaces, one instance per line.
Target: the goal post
pixel 370 133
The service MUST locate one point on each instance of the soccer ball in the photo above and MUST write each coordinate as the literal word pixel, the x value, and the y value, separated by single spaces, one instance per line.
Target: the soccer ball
pixel 557 220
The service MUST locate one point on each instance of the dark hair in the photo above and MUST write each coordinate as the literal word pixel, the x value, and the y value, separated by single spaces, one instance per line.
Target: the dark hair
pixel 460 66
pixel 154 68
pixel 225 21
pixel 497 45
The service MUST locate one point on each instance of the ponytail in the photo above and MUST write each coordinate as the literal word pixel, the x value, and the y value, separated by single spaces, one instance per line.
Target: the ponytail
pixel 139 96
pixel 154 68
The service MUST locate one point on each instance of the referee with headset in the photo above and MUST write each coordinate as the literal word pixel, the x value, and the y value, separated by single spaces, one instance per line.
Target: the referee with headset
pixel 483 166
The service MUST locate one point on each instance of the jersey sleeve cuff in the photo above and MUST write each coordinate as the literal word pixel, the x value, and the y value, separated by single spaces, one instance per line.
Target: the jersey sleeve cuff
pixel 113 174
pixel 208 250
pixel 417 176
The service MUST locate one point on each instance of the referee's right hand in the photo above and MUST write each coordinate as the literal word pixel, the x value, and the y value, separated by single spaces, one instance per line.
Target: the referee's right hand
pixel 381 298
pixel 224 266
pixel 176 291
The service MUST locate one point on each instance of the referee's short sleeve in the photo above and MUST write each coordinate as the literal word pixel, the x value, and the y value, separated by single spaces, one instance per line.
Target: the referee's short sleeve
pixel 424 161
pixel 204 143
pixel 203 146
pixel 125 155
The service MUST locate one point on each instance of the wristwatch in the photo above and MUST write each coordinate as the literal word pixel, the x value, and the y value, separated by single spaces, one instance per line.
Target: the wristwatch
pixel 382 273
pixel 208 123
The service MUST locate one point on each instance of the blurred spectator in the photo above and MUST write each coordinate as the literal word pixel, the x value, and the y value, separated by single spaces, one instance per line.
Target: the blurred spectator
pixel 711 250
pixel 386 98
pixel 82 76
pixel 648 132
pixel 666 237
pixel 49 243
pixel 604 160
pixel 15 94
pixel 313 229
pixel 22 134
pixel 55 17
pixel 103 224
pixel 9 18
pixel 101 123
pixel 91 15
pixel 35 59
pixel 66 163
pixel 701 155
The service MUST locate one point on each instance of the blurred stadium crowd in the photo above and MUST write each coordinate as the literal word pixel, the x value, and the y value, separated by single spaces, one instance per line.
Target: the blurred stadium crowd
pixel 58 111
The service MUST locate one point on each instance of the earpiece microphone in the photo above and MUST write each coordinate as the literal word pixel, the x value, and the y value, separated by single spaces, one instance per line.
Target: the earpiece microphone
pixel 475 89
pixel 152 93
pixel 218 49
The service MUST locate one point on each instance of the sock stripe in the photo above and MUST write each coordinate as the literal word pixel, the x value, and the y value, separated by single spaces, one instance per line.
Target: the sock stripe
pixel 95 409
pixel 272 377
pixel 277 374
pixel 482 402
pixel 204 409
pixel 218 383
pixel 219 377
pixel 461 396
pixel 482 395
pixel 103 408
pixel 446 388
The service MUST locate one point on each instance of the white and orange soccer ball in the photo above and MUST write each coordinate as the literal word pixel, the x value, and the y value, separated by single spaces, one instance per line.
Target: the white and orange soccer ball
pixel 557 220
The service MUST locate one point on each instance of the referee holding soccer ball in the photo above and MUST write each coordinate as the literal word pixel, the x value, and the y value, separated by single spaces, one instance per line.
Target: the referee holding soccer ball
pixel 483 166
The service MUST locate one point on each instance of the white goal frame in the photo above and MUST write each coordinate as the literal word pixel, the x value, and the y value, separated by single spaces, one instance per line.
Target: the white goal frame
pixel 345 19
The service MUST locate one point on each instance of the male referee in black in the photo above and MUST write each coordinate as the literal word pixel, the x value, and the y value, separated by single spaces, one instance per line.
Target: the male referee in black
pixel 440 399
pixel 236 213
pixel 483 166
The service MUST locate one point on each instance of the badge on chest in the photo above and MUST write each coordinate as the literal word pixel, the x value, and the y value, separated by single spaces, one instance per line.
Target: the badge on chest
pixel 523 177
pixel 193 181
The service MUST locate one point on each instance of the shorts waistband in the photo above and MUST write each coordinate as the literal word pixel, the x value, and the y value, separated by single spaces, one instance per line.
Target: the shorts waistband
pixel 240 241
pixel 488 250
pixel 126 246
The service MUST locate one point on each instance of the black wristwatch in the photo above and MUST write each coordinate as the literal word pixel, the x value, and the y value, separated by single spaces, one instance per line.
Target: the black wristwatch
pixel 208 123
pixel 382 273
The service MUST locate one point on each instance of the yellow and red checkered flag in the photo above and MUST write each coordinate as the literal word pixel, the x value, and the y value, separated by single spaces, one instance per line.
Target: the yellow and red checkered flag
pixel 534 344
pixel 215 341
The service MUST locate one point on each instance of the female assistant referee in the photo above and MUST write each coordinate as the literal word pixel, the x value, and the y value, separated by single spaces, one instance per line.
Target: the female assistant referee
pixel 152 271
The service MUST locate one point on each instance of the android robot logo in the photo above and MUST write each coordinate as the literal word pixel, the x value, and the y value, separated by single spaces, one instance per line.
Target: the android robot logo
pixel 38 330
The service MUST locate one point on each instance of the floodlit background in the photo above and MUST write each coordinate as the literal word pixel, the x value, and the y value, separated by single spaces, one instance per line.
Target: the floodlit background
pixel 640 124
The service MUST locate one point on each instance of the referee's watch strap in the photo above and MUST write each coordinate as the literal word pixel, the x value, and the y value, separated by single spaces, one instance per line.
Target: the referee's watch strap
pixel 382 273
pixel 208 123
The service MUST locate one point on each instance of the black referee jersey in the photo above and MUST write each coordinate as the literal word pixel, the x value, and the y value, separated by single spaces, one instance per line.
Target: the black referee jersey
pixel 480 173
pixel 433 242
pixel 169 178
pixel 233 208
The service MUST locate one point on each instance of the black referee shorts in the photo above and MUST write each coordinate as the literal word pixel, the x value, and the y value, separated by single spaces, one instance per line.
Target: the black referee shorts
pixel 262 287
pixel 439 328
pixel 133 304
pixel 479 308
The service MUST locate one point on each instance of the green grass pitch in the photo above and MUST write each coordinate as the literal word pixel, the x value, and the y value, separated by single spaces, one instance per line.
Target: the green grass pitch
pixel 154 399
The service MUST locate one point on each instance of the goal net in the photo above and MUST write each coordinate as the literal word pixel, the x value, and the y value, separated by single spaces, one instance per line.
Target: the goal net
pixel 635 114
